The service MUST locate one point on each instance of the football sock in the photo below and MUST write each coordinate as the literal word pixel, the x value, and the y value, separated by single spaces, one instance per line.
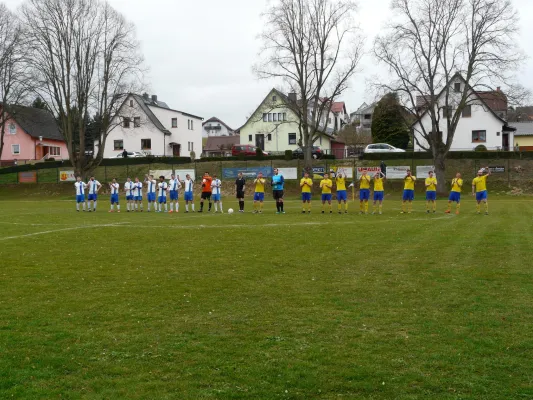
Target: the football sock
pixel 78 206
pixel 166 209
pixel 192 205
pixel 486 206
pixel 216 207
pixel 278 208
pixel 339 206
pixel 177 206
pixel 427 205
pixel 149 206
pixel 366 206
pixel 94 204
pixel 346 206
pixel 374 208
pixel 330 208
pixel 221 210
pixel 171 206
pixel 186 207
pixel 210 204
pixel 410 207
pixel 434 205
pixel 458 207
pixel 478 207
pixel 380 207
pixel 255 206
pixel 118 207
pixel 241 205
pixel 361 206
pixel 449 206
pixel 281 205
pixel 261 206
pixel 128 206
pixel 403 207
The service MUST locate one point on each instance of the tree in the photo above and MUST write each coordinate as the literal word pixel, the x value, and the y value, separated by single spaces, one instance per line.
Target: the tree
pixel 389 122
pixel 13 70
pixel 431 43
pixel 39 103
pixel 86 60
pixel 313 48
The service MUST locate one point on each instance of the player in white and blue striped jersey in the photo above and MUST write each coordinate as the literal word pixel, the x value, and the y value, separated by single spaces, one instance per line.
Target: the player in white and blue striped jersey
pixel 173 187
pixel 150 191
pixel 114 187
pixel 216 185
pixel 188 193
pixel 162 193
pixel 94 187
pixel 128 188
pixel 138 194
pixel 80 193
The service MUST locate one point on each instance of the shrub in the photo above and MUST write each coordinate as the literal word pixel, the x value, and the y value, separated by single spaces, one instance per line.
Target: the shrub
pixel 50 159
pixel 288 155
pixel 480 148
pixel 259 153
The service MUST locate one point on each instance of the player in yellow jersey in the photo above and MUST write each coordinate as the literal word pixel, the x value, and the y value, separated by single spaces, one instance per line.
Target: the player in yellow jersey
pixel 379 192
pixel 408 192
pixel 479 189
pixel 259 194
pixel 364 192
pixel 326 184
pixel 431 192
pixel 306 184
pixel 455 194
pixel 340 182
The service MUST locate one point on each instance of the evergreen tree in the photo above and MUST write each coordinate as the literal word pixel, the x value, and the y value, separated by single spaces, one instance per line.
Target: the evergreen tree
pixel 389 122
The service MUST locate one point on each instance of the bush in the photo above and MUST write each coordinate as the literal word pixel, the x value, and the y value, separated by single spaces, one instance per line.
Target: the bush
pixel 328 157
pixel 259 153
pixel 288 155
pixel 480 148
pixel 193 155
pixel 50 159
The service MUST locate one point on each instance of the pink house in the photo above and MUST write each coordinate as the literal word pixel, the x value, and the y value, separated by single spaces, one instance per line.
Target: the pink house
pixel 32 134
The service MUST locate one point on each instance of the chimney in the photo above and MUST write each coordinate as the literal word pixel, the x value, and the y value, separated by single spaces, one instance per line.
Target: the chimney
pixel 292 97
pixel 498 89
pixel 145 96
pixel 154 98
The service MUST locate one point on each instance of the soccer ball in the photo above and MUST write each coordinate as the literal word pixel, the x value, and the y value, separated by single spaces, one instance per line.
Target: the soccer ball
pixel 230 211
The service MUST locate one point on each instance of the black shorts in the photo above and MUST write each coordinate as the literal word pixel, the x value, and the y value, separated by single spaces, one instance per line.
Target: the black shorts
pixel 278 194
pixel 240 194
pixel 206 196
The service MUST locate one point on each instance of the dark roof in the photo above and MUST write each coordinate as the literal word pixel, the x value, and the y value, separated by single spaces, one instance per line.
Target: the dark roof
pixel 144 102
pixel 523 128
pixel 216 143
pixel 215 119
pixel 37 122
pixel 495 99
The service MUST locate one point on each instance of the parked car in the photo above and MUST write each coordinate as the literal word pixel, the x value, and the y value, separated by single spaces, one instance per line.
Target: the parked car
pixel 246 149
pixel 131 154
pixel 382 148
pixel 316 152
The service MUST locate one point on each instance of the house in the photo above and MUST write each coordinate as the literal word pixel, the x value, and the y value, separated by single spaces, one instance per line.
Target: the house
pixel 220 146
pixel 32 134
pixel 363 118
pixel 274 127
pixel 523 136
pixel 482 121
pixel 215 127
pixel 148 125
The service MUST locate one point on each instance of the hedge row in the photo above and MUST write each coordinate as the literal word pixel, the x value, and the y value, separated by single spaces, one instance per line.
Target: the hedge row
pixel 452 155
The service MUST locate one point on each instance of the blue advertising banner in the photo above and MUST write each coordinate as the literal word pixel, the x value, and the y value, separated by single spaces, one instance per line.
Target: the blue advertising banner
pixel 250 172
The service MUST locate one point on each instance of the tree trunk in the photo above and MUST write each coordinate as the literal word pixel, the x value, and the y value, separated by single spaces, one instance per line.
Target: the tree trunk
pixel 439 161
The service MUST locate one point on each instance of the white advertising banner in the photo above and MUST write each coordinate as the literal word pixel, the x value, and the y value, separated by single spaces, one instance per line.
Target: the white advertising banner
pixel 347 172
pixel 289 173
pixel 423 170
pixel 167 172
pixel 67 176
pixel 397 172
pixel 370 170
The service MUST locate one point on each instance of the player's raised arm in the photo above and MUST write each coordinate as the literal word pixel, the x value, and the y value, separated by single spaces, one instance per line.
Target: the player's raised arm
pixel 488 171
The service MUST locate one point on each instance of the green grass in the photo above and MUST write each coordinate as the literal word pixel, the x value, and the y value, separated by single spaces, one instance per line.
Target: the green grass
pixel 203 306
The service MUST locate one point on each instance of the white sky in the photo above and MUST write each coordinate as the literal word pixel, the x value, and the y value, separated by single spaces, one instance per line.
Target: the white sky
pixel 200 53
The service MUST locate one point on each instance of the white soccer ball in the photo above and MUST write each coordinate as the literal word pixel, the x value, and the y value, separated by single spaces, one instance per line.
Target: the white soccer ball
pixel 230 211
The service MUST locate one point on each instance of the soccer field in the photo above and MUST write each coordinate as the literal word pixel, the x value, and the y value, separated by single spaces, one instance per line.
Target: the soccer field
pixel 244 306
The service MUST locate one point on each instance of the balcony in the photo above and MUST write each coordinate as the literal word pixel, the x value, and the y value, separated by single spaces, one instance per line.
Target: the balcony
pixel 212 127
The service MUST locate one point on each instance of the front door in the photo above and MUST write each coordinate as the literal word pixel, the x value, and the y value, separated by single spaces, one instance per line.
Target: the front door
pixel 260 141
pixel 505 141
pixel 176 149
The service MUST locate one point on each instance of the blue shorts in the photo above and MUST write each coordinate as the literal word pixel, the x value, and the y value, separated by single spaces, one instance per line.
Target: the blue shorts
pixel 93 197
pixel 151 197
pixel 306 196
pixel 341 195
pixel 162 199
pixel 259 196
pixel 80 198
pixel 215 197
pixel 173 195
pixel 326 196
pixel 431 195
pixel 364 194
pixel 114 199
pixel 379 195
pixel 130 198
pixel 188 196
pixel 455 196
pixel 138 198
pixel 408 195
pixel 481 195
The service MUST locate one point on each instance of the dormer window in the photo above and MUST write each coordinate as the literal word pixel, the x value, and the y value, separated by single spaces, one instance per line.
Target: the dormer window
pixel 274 98
pixel 457 87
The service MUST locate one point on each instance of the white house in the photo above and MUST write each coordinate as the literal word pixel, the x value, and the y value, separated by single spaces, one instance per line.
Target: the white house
pixel 216 127
pixel 275 128
pixel 481 122
pixel 150 126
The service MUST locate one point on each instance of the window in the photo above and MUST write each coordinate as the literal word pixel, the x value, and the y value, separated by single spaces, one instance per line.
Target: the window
pixel 269 136
pixel 292 138
pixel 136 122
pixel 174 122
pixel 280 115
pixel 131 103
pixel 188 124
pixel 467 111
pixel 479 136
pixel 15 149
pixel 329 120
pixel 274 98
pixel 457 87
pixel 284 116
pixel 12 129
pixel 190 146
pixel 192 125
pixel 367 116
pixel 275 117
pixel 447 112
pixel 249 138
pixel 146 144
pixel 265 117
pixel 126 122
pixel 118 145
pixel 269 117
pixel 497 133
pixel 54 151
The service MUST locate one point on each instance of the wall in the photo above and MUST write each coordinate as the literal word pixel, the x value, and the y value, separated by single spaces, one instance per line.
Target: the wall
pixel 523 141
pixel 223 131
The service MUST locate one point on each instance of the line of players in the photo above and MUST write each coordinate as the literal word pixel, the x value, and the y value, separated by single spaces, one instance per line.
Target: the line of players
pixel 211 191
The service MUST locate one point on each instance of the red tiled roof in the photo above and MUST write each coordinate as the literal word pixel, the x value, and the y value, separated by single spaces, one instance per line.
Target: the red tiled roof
pixel 495 99
pixel 337 107
pixel 217 143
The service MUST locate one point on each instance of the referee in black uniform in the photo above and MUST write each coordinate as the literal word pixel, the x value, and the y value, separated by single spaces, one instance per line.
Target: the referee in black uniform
pixel 240 186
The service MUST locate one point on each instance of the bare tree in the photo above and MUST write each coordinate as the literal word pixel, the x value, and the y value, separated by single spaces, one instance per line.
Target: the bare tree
pixel 86 59
pixel 13 70
pixel 313 47
pixel 432 43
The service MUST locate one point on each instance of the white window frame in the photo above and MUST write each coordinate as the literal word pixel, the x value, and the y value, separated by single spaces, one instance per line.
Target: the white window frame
pixel 118 140
pixel 265 117
pixel 14 130
pixel 172 122
pixel 54 153
pixel 269 117
pixel 136 122
pixel 13 149
pixel 295 138
pixel 275 117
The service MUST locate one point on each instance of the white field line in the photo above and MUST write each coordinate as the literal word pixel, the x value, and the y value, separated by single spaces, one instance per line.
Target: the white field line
pixel 74 228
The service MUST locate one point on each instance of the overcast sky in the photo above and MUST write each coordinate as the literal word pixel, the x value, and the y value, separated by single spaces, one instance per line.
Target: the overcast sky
pixel 200 53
